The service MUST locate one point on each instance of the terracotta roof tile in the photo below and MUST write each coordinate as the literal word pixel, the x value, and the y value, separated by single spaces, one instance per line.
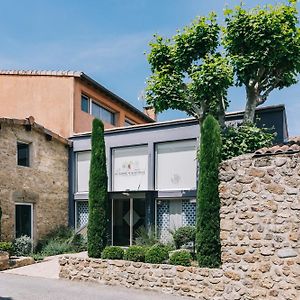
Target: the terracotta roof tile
pixel 292 146
pixel 67 73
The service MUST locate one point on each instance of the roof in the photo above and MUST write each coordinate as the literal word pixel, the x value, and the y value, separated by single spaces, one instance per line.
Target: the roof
pixel 184 121
pixel 291 147
pixel 83 76
pixel 30 123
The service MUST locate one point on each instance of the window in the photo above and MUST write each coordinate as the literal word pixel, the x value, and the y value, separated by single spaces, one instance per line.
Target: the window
pixel 130 168
pixel 128 122
pixel 85 104
pixel 176 165
pixel 23 154
pixel 83 171
pixel 103 113
pixel 23 216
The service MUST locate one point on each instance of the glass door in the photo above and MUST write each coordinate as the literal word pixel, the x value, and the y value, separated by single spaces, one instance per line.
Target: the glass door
pixel 128 216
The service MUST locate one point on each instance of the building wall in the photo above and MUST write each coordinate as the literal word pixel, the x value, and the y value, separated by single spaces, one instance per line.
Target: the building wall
pixel 83 120
pixel 44 183
pixel 47 98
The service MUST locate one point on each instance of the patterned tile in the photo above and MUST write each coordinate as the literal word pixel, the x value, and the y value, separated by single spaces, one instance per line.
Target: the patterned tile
pixel 82 213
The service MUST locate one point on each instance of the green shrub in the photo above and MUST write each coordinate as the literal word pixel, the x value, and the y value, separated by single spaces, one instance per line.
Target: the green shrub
pixel 7 247
pixel 78 243
pixel 98 196
pixel 184 235
pixel 136 253
pixel 156 254
pixel 146 237
pixel 208 203
pixel 112 252
pixel 181 257
pixel 22 246
pixel 55 247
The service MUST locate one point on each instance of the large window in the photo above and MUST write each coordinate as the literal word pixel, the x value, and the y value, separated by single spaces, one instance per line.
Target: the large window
pixel 83 171
pixel 103 113
pixel 130 168
pixel 23 154
pixel 88 105
pixel 176 165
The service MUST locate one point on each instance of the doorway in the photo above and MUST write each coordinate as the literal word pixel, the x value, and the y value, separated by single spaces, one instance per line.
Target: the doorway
pixel 128 216
pixel 24 220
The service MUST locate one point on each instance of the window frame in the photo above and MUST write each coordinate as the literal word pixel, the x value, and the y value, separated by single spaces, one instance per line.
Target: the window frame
pixel 88 101
pixel 32 215
pixel 29 160
pixel 104 108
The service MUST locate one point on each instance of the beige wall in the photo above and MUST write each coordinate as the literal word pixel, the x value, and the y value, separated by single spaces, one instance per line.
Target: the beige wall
pixel 44 183
pixel 47 98
pixel 83 120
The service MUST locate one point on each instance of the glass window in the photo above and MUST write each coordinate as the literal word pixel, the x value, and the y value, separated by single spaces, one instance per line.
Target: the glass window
pixel 83 171
pixel 128 122
pixel 23 220
pixel 103 113
pixel 130 168
pixel 85 106
pixel 176 165
pixel 23 154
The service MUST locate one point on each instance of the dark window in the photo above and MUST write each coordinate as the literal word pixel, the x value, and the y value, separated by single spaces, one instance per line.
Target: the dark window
pixel 85 104
pixel 103 113
pixel 23 220
pixel 23 154
pixel 128 123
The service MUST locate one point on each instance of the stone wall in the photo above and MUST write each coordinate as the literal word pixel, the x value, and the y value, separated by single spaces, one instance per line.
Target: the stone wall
pixel 260 218
pixel 44 183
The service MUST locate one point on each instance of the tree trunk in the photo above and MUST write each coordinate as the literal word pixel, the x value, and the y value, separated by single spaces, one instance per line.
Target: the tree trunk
pixel 252 97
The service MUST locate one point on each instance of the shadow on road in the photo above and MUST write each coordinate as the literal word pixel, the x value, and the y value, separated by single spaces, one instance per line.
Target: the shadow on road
pixel 6 298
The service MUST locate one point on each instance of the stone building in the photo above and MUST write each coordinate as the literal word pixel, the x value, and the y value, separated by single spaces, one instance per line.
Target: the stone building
pixel 33 179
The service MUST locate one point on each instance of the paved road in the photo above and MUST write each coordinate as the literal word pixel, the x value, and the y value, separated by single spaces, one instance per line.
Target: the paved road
pixel 17 287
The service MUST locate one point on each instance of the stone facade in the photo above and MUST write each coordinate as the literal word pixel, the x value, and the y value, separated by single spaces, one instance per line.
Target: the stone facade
pixel 260 218
pixel 44 184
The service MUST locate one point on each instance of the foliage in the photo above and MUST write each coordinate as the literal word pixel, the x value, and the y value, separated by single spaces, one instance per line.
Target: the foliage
pixel 146 237
pixel 187 72
pixel 208 202
pixel 98 197
pixel 112 252
pixel 22 246
pixel 55 247
pixel 184 235
pixel 244 138
pixel 156 254
pixel 181 257
pixel 264 46
pixel 7 247
pixel 60 240
pixel 136 253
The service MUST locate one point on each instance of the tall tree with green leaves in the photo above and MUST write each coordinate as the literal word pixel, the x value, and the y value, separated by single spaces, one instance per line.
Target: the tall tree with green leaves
pixel 208 203
pixel 98 196
pixel 188 73
pixel 264 46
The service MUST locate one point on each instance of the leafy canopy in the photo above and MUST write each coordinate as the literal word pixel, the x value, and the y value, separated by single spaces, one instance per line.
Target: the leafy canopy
pixel 188 73
pixel 264 46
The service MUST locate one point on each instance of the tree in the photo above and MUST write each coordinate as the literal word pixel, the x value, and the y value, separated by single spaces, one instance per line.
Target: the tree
pixel 208 203
pixel 98 196
pixel 187 72
pixel 264 46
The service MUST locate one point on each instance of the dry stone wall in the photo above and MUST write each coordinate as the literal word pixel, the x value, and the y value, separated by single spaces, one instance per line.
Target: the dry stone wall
pixel 260 218
pixel 44 184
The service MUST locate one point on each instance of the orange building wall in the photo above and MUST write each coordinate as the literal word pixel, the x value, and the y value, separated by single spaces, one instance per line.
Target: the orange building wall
pixel 49 99
pixel 83 120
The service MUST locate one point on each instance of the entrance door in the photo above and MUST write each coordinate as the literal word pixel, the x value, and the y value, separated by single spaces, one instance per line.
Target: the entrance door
pixel 23 220
pixel 128 215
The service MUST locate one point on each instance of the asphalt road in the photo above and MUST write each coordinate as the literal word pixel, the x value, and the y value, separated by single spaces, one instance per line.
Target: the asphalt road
pixel 18 287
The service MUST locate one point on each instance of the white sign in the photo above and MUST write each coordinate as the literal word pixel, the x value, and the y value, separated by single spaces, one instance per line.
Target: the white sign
pixel 130 168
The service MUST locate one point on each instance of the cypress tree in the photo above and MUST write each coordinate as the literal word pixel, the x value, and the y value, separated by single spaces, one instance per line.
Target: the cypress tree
pixel 98 197
pixel 208 203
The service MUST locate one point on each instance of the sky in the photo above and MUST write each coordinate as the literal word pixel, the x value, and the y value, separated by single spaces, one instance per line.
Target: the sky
pixel 108 39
